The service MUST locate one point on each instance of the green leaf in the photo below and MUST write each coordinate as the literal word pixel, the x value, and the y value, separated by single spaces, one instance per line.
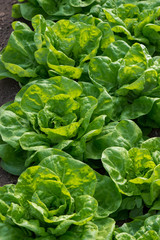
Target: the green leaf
pixel 150 229
pixel 146 19
pixel 150 235
pixel 18 56
pixel 39 155
pixel 136 61
pixel 124 134
pixel 152 144
pixel 143 85
pixel 95 127
pixel 57 9
pixel 4 73
pixel 116 50
pixel 154 113
pixel 9 232
pixel 17 214
pixel 12 160
pixel 122 30
pixel 88 19
pixel 62 133
pixel 118 164
pixel 32 141
pixel 66 71
pixel 107 35
pixel 88 231
pixel 105 228
pixel 29 10
pixel 104 72
pixel 124 236
pixel 107 196
pixel 39 25
pixel 142 161
pixel 12 126
pixel 112 18
pixel 87 106
pixel 128 11
pixel 139 107
pixel 66 169
pixel 81 3
pixel 16 13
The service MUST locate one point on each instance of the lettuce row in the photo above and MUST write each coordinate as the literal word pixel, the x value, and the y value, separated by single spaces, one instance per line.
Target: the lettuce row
pixel 63 9
pixel 78 49
pixel 131 77
pixel 49 113
pixel 134 170
pixel 136 174
pixel 130 20
pixel 140 229
pixel 55 201
pixel 62 114
pixel 135 21
pixel 51 9
pixel 51 49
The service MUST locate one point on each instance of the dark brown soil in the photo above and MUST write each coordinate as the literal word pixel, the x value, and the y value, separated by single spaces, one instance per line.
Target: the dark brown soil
pixel 8 87
pixel 155 133
pixel 5 21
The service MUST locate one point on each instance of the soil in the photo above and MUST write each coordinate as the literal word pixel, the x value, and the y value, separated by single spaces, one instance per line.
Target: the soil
pixel 8 87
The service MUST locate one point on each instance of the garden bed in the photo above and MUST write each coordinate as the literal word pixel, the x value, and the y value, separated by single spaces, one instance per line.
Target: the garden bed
pixel 86 123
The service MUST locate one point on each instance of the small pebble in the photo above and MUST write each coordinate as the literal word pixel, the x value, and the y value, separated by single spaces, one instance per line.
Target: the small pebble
pixel 2 14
